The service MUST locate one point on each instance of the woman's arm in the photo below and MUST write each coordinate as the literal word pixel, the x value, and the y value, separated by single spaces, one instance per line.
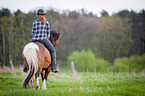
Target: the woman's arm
pixel 48 30
pixel 33 28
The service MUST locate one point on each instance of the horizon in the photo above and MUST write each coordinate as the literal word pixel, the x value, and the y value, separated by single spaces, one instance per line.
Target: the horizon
pixel 94 6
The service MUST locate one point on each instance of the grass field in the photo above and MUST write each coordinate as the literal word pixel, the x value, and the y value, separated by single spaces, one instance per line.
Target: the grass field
pixel 83 84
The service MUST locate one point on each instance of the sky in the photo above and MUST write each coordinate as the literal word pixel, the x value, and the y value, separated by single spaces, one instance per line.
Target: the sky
pixel 94 6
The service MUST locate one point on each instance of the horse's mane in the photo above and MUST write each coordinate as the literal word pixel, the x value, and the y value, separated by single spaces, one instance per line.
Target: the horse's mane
pixel 54 36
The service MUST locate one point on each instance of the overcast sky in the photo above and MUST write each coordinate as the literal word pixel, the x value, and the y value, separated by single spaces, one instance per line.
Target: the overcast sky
pixel 94 6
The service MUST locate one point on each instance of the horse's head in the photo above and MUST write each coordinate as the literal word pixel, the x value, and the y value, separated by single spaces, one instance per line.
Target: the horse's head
pixel 54 37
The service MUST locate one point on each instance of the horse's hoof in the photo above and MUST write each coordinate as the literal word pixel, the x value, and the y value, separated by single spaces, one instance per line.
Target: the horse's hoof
pixel 44 88
pixel 37 88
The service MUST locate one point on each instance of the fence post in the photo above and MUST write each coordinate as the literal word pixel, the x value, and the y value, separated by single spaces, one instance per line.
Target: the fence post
pixel 73 68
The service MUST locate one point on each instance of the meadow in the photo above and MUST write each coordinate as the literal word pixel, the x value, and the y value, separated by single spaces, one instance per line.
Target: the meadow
pixel 82 84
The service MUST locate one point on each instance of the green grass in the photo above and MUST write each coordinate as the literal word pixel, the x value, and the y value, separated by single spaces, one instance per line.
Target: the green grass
pixel 83 84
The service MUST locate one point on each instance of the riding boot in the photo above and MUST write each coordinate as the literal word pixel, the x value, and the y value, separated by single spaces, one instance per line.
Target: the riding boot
pixel 55 70
pixel 53 63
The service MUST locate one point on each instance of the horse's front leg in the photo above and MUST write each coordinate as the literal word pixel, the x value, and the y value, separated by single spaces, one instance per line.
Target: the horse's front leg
pixel 37 79
pixel 44 79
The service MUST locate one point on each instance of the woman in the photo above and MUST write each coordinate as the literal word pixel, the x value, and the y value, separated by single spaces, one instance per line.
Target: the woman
pixel 41 33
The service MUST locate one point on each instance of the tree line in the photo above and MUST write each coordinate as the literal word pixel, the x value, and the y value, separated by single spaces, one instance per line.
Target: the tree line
pixel 109 37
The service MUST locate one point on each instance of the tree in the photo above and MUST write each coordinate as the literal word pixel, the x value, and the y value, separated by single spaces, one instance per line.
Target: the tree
pixel 4 31
pixel 5 12
pixel 137 22
pixel 21 18
pixel 113 38
pixel 10 37
pixel 4 27
pixel 73 14
pixel 17 13
pixel 123 13
pixel 104 13
pixel 83 12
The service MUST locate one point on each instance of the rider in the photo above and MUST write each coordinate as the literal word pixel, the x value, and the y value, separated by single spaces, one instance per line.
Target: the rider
pixel 41 33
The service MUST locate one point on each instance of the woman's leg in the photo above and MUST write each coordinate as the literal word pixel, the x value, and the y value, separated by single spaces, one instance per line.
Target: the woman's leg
pixel 51 48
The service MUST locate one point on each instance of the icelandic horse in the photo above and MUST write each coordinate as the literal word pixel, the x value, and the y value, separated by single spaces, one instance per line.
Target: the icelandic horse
pixel 37 58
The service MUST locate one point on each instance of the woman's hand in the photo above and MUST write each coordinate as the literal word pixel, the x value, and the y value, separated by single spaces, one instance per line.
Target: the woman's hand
pixel 48 36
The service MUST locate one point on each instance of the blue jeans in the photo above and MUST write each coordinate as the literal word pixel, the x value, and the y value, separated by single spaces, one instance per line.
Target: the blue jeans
pixel 50 47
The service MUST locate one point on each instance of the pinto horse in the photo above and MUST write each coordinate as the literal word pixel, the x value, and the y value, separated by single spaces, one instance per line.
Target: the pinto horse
pixel 37 59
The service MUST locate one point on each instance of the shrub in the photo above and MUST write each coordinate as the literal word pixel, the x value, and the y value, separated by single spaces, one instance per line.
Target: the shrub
pixel 86 61
pixel 101 65
pixel 121 64
pixel 137 63
pixel 134 63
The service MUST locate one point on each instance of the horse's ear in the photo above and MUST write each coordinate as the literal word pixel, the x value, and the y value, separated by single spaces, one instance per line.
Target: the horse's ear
pixel 58 35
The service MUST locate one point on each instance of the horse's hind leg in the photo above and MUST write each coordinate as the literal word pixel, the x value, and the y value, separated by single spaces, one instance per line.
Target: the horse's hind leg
pixel 44 79
pixel 37 83
pixel 31 83
pixel 37 79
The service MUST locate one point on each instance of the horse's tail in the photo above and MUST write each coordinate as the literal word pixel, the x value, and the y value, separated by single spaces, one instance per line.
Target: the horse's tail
pixel 30 53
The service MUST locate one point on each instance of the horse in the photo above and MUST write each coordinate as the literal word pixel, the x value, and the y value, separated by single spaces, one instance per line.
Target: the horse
pixel 37 59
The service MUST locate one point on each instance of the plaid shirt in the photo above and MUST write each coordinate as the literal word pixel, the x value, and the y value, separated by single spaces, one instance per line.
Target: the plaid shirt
pixel 40 30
